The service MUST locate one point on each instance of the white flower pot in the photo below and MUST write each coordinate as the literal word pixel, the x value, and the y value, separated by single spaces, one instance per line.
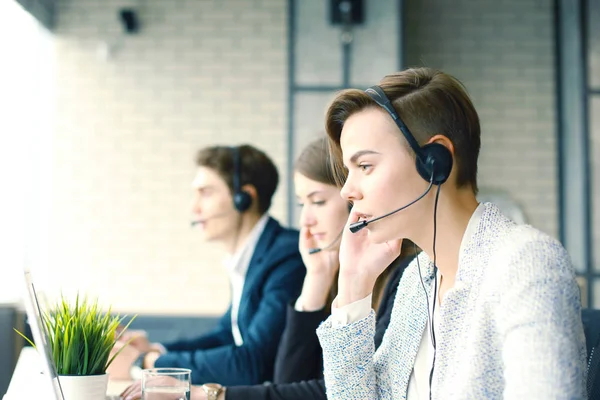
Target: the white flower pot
pixel 92 387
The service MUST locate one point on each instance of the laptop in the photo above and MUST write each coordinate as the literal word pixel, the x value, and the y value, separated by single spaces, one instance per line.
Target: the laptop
pixel 40 338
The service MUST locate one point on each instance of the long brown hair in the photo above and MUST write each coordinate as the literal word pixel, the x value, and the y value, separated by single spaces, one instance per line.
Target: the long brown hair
pixel 408 250
pixel 314 163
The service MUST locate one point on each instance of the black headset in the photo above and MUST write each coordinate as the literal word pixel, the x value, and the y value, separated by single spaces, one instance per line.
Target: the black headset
pixel 241 199
pixel 433 160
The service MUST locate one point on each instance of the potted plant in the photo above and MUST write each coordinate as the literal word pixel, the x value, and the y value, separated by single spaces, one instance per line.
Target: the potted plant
pixel 81 338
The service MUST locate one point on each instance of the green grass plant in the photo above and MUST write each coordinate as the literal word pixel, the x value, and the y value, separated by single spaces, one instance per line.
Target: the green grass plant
pixel 81 336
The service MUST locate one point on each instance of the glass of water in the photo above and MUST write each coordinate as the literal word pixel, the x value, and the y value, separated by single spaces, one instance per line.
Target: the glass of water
pixel 166 384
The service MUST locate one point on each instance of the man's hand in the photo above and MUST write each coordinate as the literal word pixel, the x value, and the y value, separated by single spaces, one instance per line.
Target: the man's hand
pixel 133 392
pixel 150 359
pixel 139 340
pixel 197 393
pixel 120 368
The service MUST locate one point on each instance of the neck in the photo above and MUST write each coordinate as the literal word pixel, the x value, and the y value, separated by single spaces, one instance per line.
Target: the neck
pixel 246 222
pixel 454 210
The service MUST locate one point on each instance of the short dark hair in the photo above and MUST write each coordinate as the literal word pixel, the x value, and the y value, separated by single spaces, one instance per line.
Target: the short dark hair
pixel 429 102
pixel 255 167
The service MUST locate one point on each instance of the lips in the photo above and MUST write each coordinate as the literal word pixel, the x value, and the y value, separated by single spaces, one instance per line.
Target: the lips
pixel 318 235
pixel 199 223
pixel 362 217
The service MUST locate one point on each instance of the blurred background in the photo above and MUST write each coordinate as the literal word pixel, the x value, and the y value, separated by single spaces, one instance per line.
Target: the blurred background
pixel 106 101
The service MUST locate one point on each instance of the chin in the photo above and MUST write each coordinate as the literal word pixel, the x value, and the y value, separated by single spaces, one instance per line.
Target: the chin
pixel 208 237
pixel 378 236
pixel 322 243
pixel 375 236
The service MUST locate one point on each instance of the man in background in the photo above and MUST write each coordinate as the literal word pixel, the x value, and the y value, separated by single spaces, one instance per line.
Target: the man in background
pixel 233 190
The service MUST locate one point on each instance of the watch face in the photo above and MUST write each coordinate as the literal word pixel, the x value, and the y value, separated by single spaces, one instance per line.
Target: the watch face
pixel 212 389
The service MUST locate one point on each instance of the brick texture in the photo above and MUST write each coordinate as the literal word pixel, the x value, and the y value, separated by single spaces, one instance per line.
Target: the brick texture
pixel 199 72
pixel 503 51
pixel 202 72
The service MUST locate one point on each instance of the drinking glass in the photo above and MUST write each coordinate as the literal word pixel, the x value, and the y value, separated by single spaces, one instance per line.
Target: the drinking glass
pixel 166 384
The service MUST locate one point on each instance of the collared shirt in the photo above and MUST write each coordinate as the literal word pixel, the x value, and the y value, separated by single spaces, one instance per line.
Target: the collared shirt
pixel 237 267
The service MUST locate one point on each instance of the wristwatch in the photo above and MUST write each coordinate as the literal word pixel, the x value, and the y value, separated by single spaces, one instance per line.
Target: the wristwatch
pixel 212 390
pixel 135 371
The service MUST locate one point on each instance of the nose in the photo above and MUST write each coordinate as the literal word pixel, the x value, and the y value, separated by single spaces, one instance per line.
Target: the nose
pixel 307 217
pixel 196 204
pixel 349 191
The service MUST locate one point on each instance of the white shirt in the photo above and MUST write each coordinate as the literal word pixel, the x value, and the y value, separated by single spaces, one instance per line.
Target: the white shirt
pixel 237 267
pixel 418 385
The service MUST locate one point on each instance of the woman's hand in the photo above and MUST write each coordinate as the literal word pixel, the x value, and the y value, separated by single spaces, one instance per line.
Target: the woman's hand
pixel 321 269
pixel 361 263
pixel 323 263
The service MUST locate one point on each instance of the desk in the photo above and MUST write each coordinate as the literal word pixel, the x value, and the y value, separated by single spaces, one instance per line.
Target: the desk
pixel 28 382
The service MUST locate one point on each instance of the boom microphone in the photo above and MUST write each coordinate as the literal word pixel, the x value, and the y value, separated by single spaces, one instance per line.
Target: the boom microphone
pixel 201 221
pixel 316 250
pixel 357 226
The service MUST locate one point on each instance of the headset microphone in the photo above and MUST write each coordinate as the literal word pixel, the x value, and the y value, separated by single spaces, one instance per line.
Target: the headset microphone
pixel 316 250
pixel 201 221
pixel 433 161
pixel 357 226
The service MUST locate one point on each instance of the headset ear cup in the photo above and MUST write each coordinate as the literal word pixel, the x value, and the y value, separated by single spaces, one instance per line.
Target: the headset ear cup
pixel 437 160
pixel 242 201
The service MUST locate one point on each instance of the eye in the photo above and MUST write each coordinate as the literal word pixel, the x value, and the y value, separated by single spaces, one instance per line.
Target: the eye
pixel 319 203
pixel 365 167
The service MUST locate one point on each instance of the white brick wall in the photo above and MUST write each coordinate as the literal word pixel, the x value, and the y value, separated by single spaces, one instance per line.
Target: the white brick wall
pixel 319 57
pixel 200 72
pixel 504 53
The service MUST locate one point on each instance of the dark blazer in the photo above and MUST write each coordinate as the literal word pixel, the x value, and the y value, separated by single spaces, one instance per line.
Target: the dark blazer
pixel 275 276
pixel 299 365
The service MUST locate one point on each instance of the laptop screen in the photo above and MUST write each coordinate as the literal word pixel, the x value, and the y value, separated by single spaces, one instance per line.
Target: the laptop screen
pixel 40 335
